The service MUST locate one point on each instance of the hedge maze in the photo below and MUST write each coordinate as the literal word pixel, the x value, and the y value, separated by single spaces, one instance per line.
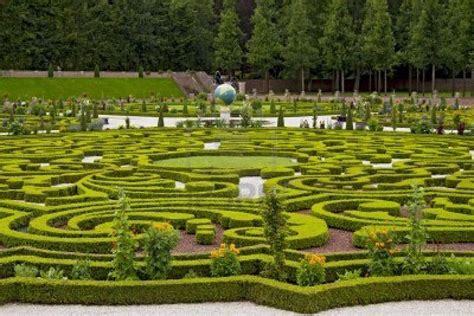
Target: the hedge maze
pixel 58 194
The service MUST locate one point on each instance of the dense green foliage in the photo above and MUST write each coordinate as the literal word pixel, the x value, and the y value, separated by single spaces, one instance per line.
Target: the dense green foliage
pixel 115 35
pixel 326 38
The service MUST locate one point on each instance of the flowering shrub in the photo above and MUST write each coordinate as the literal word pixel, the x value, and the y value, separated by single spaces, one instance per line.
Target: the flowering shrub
pixel 381 244
pixel 225 262
pixel 311 270
pixel 417 237
pixel 123 264
pixel 159 241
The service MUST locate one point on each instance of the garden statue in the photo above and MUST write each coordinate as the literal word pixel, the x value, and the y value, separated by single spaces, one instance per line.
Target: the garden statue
pixel 226 93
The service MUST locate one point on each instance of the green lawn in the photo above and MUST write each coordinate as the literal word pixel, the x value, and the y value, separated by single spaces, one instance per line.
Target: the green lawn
pixel 225 162
pixel 95 88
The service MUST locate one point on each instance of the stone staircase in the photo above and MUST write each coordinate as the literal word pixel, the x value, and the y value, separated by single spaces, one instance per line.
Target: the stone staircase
pixel 193 83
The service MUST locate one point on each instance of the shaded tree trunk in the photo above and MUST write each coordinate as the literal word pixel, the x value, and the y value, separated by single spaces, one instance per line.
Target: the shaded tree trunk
pixel 343 83
pixel 380 81
pixel 423 83
pixel 433 78
pixel 370 81
pixel 385 82
pixel 417 80
pixel 302 80
pixel 337 80
pixel 464 79
pixel 267 81
pixel 409 79
pixel 357 80
pixel 453 83
pixel 333 85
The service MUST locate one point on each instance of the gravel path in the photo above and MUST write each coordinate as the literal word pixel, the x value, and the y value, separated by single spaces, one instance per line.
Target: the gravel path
pixel 415 308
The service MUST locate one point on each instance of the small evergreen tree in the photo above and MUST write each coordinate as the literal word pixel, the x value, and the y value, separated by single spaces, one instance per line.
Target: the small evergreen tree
pixel 144 109
pixel 272 107
pixel 394 118
pixel 73 109
pixel 281 118
pixel 88 114
pixel 350 120
pixel 161 119
pixel 95 113
pixel 50 71
pixel 414 262
pixel 401 110
pixel 52 113
pixel 315 119
pixel 83 119
pixel 368 112
pixel 96 71
pixel 12 115
pixel 275 232
pixel 141 72
pixel 434 119
pixel 185 107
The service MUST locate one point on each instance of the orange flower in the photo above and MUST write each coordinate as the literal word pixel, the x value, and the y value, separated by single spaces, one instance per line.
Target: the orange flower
pixel 223 249
pixel 315 259
pixel 163 226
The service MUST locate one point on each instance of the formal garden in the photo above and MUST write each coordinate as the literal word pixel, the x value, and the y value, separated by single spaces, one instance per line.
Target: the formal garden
pixel 158 216
pixel 166 156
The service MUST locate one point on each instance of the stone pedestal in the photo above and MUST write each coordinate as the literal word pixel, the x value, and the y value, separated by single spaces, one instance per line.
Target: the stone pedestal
pixel 225 114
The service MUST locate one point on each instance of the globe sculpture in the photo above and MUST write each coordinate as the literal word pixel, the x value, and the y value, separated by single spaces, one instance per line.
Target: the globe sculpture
pixel 226 93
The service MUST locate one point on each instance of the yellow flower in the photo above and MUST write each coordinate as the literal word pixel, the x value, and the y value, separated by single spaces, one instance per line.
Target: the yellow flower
pixel 215 254
pixel 234 249
pixel 163 226
pixel 223 249
pixel 313 259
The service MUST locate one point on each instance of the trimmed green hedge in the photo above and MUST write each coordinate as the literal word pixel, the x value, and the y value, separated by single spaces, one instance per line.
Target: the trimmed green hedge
pixel 242 288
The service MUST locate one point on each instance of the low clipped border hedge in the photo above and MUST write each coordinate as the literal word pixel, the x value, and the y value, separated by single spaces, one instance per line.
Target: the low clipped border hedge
pixel 240 288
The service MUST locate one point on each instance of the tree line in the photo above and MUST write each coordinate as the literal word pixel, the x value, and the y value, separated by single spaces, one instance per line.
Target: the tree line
pixel 337 38
pixel 117 35
pixel 301 39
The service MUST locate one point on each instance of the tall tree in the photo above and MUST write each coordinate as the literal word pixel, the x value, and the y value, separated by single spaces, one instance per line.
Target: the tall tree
pixel 298 52
pixel 406 20
pixel 428 38
pixel 378 43
pixel 264 46
pixel 457 49
pixel 194 36
pixel 338 41
pixel 228 52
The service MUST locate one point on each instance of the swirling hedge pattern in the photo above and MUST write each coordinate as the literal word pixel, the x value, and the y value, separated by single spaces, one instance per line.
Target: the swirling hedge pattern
pixel 58 193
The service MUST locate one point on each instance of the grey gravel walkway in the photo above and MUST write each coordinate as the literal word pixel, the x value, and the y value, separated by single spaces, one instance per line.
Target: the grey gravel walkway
pixel 415 308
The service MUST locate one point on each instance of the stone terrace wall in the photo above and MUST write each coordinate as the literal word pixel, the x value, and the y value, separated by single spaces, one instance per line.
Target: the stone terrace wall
pixel 279 86
pixel 79 74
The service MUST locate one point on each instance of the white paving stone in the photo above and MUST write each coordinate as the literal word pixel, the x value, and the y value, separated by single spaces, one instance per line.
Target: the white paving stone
pixel 212 146
pixel 251 187
pixel 91 159
pixel 413 308
pixel 180 185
